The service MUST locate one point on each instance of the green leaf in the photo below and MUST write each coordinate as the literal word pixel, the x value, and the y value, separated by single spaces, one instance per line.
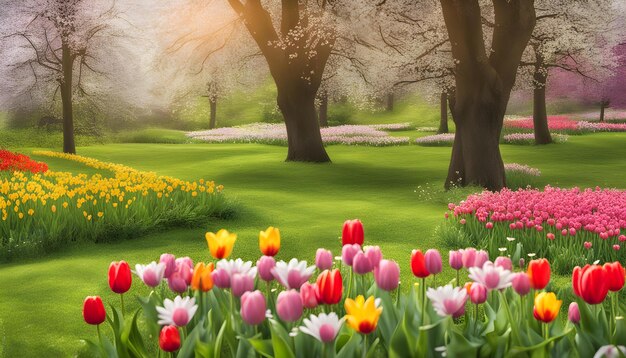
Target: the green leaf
pixel 219 339
pixel 262 346
pixel 350 348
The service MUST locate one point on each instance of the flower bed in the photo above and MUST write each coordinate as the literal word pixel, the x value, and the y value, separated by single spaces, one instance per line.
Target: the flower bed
pixel 353 306
pixel 601 126
pixel 529 138
pixel 40 212
pixel 277 134
pixel 609 115
pixel 570 226
pixel 444 139
pixel 522 169
pixel 393 127
pixel 10 162
pixel 555 123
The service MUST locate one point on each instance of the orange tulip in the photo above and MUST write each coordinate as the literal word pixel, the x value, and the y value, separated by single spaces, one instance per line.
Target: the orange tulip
pixel 202 279
pixel 539 273
pixel 546 307
pixel 269 241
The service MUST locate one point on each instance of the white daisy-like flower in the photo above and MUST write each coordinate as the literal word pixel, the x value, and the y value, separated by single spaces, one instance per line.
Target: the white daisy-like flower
pixel 502 249
pixel 610 351
pixel 532 254
pixel 323 327
pixel 293 274
pixel 151 274
pixel 178 312
pixel 442 350
pixel 596 262
pixel 510 238
pixel 448 300
pixel 491 276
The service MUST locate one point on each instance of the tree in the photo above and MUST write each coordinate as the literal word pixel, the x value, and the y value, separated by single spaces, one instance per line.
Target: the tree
pixel 55 44
pixel 483 84
pixel 576 37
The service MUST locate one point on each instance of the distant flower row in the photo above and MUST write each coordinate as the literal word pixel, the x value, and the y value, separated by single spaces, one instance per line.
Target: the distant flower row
pixel 522 168
pixel 277 134
pixel 609 115
pixel 529 138
pixel 567 124
pixel 11 162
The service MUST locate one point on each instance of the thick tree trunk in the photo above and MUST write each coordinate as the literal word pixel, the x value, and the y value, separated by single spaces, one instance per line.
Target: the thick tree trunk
pixel 213 119
pixel 323 110
pixel 390 102
pixel 540 113
pixel 69 146
pixel 303 130
pixel 443 120
pixel 604 104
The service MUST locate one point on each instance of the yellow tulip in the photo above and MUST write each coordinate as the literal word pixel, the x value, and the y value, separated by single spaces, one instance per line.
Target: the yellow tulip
pixel 362 315
pixel 546 307
pixel 269 241
pixel 221 244
pixel 53 208
pixel 201 279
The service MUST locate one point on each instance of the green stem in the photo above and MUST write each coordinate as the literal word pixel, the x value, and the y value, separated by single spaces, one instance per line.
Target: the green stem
pixel 364 352
pixel 122 299
pixel 423 300
pixel 458 278
pixel 99 335
pixel 350 284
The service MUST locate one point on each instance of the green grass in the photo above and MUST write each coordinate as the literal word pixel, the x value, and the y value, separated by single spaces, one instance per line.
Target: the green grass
pixel 394 190
pixel 152 135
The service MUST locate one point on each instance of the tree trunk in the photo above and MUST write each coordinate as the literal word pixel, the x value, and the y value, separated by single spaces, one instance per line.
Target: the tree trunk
pixel 390 100
pixel 602 112
pixel 443 121
pixel 540 113
pixel 303 130
pixel 323 110
pixel 69 146
pixel 213 120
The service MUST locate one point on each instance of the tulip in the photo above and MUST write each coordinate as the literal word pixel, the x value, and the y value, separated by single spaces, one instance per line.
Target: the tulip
pixel 241 283
pixel 289 306
pixel 591 283
pixel 177 283
pixel 539 273
pixel 362 315
pixel 177 312
pixel 348 251
pixel 323 327
pixel 616 274
pixel 323 259
pixel 352 233
pixel 308 293
pixel 221 278
pixel 546 307
pixel 329 287
pixel 418 264
pixel 151 274
pixel 221 243
pixel 481 257
pixel 610 351
pixel 448 300
pixel 478 293
pixel 573 313
pixel 387 275
pixel 468 257
pixel 93 310
pixel 265 265
pixel 169 339
pixel 119 277
pixel 170 264
pixel 361 264
pixel 253 308
pixel 269 241
pixel 521 283
pixel 292 274
pixel 504 262
pixel 202 279
pixel 456 260
pixel 374 254
pixel 432 260
pixel 491 276
pixel 184 266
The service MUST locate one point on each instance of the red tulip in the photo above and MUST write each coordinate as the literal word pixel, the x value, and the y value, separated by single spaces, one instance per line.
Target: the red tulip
pixel 169 339
pixel 591 283
pixel 120 278
pixel 329 287
pixel 352 232
pixel 418 264
pixel 93 310
pixel 616 275
pixel 539 273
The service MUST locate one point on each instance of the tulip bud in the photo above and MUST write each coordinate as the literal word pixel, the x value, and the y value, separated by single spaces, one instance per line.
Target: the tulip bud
pixel 241 283
pixel 456 260
pixel 361 264
pixel 348 251
pixel 539 273
pixel 253 308
pixel 177 283
pixel 265 266
pixel 481 257
pixel 387 275
pixel 418 264
pixel 469 257
pixel 522 263
pixel 616 275
pixel 329 287
pixel 352 232
pixel 308 293
pixel 573 313
pixel 478 293
pixel 120 277
pixel 221 278
pixel 323 259
pixel 432 260
pixel 170 264
pixel 374 254
pixel 521 283
pixel 504 262
pixel 93 310
pixel 289 306
pixel 169 339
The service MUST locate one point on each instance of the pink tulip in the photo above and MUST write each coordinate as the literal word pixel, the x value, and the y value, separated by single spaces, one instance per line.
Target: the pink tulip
pixel 616 247
pixel 587 245
pixel 241 283
pixel 462 221
pixel 573 313
pixel 433 261
pixel 469 257
pixel 550 236
pixel 177 283
pixel 361 264
pixel 456 260
pixel 374 254
pixel 478 293
pixel 481 257
pixel 253 308
pixel 521 283
pixel 221 278
pixel 504 262
pixel 265 266
pixel 348 252
pixel 289 306
pixel 489 225
pixel 308 295
pixel 170 264
pixel 387 275
pixel 323 259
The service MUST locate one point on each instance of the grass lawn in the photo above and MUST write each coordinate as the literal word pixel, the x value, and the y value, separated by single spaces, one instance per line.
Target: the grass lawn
pixel 394 190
